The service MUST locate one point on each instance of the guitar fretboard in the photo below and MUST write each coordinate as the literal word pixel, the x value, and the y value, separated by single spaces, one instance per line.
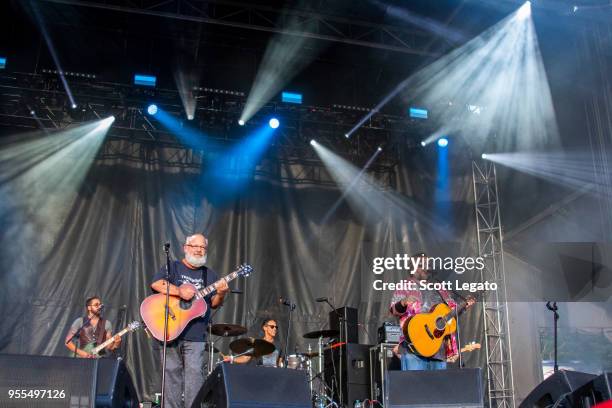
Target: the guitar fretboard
pixel 211 288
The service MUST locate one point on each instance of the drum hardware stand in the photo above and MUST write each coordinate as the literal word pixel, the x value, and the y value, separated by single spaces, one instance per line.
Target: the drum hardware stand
pixel 343 326
pixel 552 306
pixel 291 309
pixel 321 399
pixel 211 342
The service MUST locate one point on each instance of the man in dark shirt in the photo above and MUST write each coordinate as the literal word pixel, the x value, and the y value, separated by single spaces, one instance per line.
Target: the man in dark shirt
pixel 270 329
pixel 185 358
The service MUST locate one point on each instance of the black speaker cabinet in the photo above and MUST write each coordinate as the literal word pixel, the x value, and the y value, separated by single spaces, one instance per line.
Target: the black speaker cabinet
pixel 348 328
pixel 557 385
pixel 247 386
pixel 43 381
pixel 439 388
pixel 349 366
pixel 595 391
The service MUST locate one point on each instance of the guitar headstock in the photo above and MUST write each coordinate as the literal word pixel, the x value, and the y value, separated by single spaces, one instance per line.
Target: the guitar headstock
pixel 244 270
pixel 471 346
pixel 134 325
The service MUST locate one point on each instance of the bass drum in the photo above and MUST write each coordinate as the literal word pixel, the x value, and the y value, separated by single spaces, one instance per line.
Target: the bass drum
pixel 297 362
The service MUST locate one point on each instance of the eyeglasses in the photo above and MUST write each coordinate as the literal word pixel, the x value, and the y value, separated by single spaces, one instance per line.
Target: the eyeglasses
pixel 203 248
pixel 273 327
pixel 96 304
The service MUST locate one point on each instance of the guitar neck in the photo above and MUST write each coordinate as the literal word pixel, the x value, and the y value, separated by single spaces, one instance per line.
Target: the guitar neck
pixel 211 288
pixel 99 347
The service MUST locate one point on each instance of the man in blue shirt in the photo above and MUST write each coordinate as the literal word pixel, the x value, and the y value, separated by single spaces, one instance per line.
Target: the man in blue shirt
pixel 185 358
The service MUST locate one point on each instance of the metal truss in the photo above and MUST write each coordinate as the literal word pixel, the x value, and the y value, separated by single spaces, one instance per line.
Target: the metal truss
pixel 299 23
pixel 500 384
pixel 38 101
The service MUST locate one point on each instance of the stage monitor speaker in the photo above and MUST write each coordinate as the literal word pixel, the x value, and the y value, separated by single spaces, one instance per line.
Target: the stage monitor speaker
pixel 595 391
pixel 44 381
pixel 349 329
pixel 554 387
pixel 352 372
pixel 247 386
pixel 439 388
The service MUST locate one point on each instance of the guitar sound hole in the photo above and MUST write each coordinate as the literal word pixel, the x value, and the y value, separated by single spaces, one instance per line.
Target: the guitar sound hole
pixel 440 323
pixel 185 304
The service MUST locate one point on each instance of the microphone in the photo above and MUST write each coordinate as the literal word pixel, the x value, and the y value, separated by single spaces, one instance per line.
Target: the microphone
pixel 167 246
pixel 283 301
pixel 102 306
pixel 123 307
pixel 321 299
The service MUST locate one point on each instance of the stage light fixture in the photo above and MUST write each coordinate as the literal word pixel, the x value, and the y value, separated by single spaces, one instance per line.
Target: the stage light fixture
pixel 313 142
pixel 32 112
pixel 423 143
pixel 575 9
pixel 145 80
pixel 274 123
pixel 189 117
pixel 379 149
pixel 442 142
pixel 152 109
pixel 241 122
pixel 2 62
pixel 291 97
pixel 418 113
pixel 484 156
pixel 74 106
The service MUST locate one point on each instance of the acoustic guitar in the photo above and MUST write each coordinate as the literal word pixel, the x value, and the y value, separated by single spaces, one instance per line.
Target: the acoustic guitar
pixel 180 312
pixel 425 332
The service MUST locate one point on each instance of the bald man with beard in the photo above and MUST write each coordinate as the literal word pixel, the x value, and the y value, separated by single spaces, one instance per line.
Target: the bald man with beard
pixel 186 364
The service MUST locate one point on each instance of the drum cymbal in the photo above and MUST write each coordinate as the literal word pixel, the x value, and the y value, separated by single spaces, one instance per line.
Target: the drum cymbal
pixel 260 347
pixel 321 333
pixel 228 330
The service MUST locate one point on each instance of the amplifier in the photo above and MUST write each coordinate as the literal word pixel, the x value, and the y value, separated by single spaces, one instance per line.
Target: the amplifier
pixel 389 333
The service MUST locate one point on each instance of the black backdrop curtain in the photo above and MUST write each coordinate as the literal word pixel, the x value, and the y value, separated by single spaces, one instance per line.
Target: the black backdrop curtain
pixel 110 244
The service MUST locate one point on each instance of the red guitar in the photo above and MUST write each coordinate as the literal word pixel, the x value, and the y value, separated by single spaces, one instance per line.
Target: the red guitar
pixel 180 312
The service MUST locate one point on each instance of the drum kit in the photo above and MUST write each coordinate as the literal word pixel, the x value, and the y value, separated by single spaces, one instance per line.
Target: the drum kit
pixel 248 346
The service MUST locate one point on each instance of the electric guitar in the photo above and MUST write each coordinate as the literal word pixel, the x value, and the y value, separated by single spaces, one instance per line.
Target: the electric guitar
pixel 426 331
pixel 466 349
pixel 97 349
pixel 180 312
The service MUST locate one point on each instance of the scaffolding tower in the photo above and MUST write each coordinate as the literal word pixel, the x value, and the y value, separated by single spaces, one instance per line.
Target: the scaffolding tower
pixel 500 384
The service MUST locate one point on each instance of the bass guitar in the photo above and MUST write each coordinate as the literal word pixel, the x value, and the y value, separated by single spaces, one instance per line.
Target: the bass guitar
pixel 426 331
pixel 180 311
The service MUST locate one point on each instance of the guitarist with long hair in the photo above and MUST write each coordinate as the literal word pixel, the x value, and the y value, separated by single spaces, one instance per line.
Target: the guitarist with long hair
pixel 185 359
pixel 406 304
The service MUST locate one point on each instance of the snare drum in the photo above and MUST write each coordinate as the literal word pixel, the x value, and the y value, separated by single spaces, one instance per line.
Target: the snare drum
pixel 297 362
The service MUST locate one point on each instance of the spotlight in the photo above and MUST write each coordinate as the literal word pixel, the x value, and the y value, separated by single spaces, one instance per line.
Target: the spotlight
pixel 74 106
pixel 346 135
pixel 152 109
pixel 442 142
pixel 379 149
pixel 273 123
pixel 484 156
pixel 32 112
pixel 525 11
pixel 241 122
pixel 423 143
pixel 313 142
pixel 575 9
pixel 189 117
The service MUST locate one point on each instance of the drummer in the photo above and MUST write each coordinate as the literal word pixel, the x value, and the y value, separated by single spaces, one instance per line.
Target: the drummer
pixel 270 328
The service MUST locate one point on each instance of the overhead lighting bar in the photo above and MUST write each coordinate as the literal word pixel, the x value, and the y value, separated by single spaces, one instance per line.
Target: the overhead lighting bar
pixel 218 91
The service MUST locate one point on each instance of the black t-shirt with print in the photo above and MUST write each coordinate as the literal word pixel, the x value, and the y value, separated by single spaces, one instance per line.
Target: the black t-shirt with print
pixel 200 278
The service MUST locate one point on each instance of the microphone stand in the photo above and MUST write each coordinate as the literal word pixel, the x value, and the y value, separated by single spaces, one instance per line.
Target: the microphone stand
pixel 286 357
pixel 342 325
pixel 166 312
pixel 553 308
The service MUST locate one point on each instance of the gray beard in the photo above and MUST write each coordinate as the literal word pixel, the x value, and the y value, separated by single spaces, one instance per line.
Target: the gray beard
pixel 196 261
